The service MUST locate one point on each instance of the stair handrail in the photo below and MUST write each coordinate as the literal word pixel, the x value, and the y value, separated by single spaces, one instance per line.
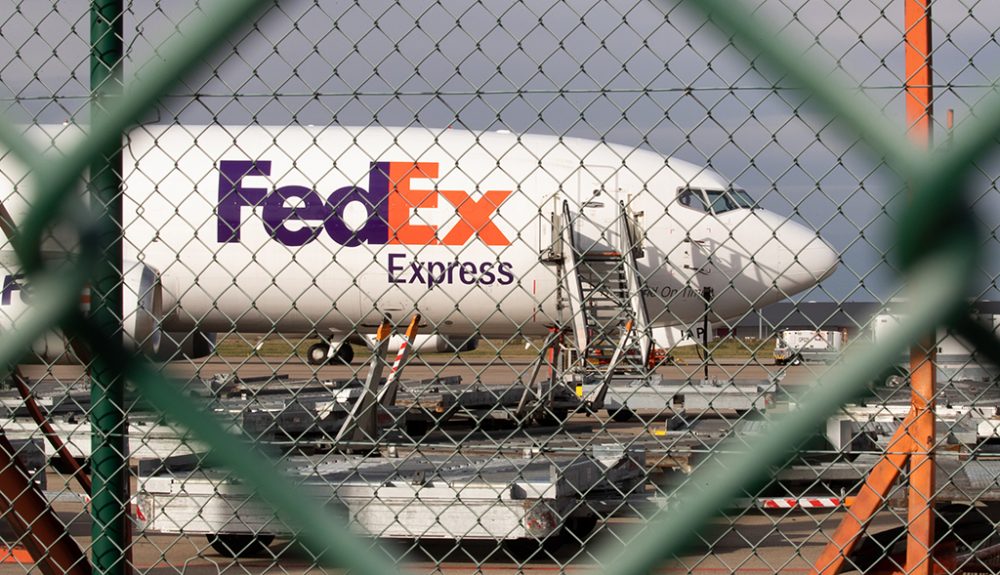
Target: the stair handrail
pixel 573 286
pixel 636 288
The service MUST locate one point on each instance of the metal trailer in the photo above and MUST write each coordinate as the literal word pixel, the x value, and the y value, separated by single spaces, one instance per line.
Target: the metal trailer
pixel 410 496
pixel 30 453
pixel 148 436
pixel 454 400
pixel 629 395
pixel 966 464
pixel 839 456
pixel 827 479
pixel 955 359
pixel 967 414
pixel 292 412
pixel 857 427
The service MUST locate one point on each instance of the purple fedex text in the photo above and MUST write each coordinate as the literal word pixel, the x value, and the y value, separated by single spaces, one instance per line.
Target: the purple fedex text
pixel 312 215
pixel 329 212
pixel 403 270
pixel 12 283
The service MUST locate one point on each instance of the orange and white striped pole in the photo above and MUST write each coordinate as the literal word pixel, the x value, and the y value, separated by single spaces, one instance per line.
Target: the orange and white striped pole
pixel 387 396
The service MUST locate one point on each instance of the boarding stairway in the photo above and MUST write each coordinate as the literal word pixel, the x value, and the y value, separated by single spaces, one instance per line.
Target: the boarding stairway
pixel 603 294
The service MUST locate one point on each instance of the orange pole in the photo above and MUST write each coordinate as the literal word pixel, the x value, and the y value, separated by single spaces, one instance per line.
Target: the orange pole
pixel 914 440
pixel 869 499
pixel 919 108
pixel 919 105
pixel 384 330
pixel 413 328
pixel 920 508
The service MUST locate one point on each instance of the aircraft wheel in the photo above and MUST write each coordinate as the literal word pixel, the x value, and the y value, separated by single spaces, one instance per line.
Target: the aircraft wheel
pixel 344 355
pixel 317 354
pixel 239 544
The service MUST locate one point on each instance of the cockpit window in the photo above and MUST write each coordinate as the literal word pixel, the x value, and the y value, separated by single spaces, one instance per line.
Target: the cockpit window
pixel 715 201
pixel 731 199
pixel 742 198
pixel 692 198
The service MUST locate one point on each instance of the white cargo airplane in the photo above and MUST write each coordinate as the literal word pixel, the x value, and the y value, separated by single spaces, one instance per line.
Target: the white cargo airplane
pixel 328 230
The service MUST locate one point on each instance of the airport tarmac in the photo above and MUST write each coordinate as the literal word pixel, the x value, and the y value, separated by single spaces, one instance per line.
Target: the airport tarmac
pixel 753 542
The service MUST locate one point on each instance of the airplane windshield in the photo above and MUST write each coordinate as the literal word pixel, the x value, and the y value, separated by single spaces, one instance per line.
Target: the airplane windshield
pixel 692 198
pixel 715 201
pixel 731 199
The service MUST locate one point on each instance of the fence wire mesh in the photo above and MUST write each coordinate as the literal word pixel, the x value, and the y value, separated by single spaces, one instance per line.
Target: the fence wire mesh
pixel 449 286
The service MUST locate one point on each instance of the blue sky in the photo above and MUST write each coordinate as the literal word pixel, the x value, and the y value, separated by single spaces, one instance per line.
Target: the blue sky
pixel 633 72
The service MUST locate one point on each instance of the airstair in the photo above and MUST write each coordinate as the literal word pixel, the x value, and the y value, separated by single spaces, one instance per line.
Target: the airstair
pixel 603 293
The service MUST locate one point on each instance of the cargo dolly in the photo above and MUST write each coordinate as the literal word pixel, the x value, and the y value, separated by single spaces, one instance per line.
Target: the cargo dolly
pixel 410 496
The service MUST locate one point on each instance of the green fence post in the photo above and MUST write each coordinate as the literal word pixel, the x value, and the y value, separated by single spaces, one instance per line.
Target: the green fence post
pixel 108 422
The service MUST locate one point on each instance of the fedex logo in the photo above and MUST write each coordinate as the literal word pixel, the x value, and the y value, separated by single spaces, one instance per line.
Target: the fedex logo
pixel 388 202
pixel 13 283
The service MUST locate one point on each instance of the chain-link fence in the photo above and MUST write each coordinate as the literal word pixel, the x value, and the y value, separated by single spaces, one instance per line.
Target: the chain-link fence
pixel 488 286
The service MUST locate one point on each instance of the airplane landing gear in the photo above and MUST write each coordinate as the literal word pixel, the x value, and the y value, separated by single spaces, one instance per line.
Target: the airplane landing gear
pixel 319 352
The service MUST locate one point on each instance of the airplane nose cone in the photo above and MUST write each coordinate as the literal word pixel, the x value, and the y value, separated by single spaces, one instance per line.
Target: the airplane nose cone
pixel 801 259
pixel 824 258
pixel 809 261
pixel 820 259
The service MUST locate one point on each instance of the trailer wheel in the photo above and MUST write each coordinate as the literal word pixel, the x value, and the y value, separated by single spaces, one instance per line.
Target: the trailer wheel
pixel 890 378
pixel 577 529
pixel 417 427
pixel 621 414
pixel 237 545
pixel 894 381
pixel 523 550
pixel 552 416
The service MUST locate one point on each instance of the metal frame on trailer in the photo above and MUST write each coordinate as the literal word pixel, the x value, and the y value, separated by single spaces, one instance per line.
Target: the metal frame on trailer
pixel 406 495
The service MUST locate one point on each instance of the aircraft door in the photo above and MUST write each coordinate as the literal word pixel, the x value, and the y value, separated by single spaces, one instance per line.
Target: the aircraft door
pixel 596 206
pixel 693 239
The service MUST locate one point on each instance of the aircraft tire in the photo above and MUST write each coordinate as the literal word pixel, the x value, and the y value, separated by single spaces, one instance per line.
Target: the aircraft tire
pixel 344 355
pixel 316 355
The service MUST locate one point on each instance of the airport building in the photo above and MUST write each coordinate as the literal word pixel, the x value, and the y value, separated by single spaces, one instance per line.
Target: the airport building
pixel 850 317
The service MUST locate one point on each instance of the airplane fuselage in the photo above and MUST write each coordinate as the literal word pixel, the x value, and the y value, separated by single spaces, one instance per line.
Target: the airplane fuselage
pixel 299 229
